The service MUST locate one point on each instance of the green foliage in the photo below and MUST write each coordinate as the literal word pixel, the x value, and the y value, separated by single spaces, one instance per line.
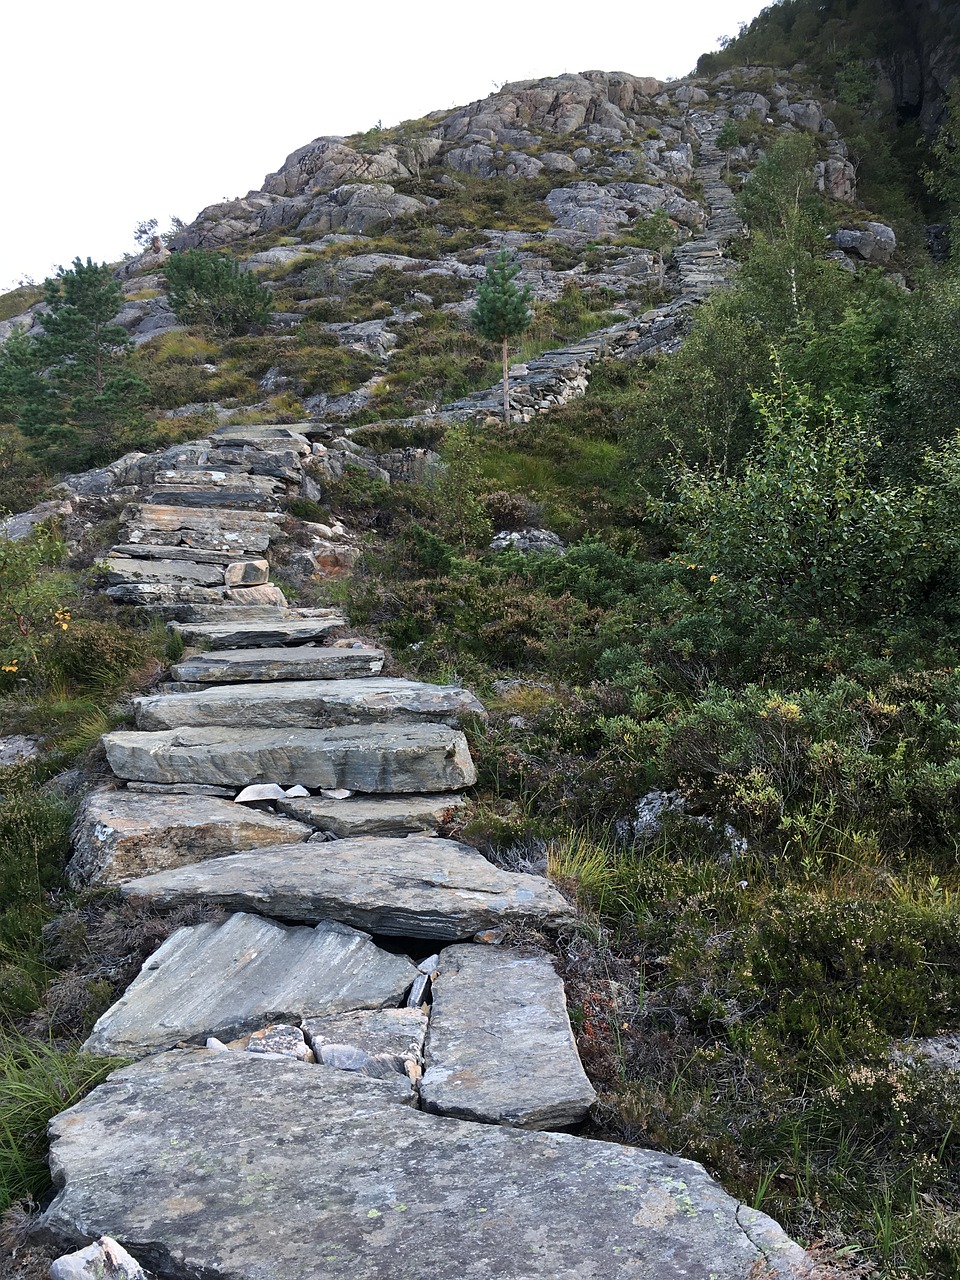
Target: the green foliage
pixel 71 389
pixel 208 288
pixel 800 527
pixel 462 517
pixel 502 310
pixel 37 1080
pixel 942 175
pixel 33 602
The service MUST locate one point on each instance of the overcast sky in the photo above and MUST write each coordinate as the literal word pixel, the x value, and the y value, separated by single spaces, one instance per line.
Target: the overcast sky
pixel 120 110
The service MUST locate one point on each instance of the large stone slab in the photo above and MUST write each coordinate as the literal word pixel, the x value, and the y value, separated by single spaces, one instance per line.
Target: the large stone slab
pixel 360 757
pixel 234 1165
pixel 223 979
pixel 500 1048
pixel 119 835
pixel 305 662
pixel 211 529
pixel 118 569
pixel 148 594
pixel 249 635
pixel 419 887
pixel 314 704
pixel 373 816
pixel 207 487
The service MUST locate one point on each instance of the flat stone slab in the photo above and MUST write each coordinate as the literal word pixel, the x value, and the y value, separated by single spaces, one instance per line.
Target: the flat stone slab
pixel 119 835
pixel 118 569
pixel 305 662
pixel 313 704
pixel 223 979
pixel 417 887
pixel 209 529
pixel 366 816
pixel 255 635
pixel 239 1166
pixel 148 594
pixel 359 757
pixel 500 1048
pixel 381 1043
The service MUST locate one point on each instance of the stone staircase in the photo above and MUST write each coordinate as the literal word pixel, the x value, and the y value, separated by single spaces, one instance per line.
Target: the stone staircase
pixel 352 1071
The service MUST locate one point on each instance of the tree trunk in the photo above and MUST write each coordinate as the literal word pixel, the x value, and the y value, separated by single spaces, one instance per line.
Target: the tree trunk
pixel 506 387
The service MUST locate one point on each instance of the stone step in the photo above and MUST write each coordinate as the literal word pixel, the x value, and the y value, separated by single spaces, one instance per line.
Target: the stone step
pixel 311 704
pixel 242 1166
pixel 164 594
pixel 256 635
pixel 359 757
pixel 124 569
pixel 119 835
pixel 146 551
pixel 417 886
pixel 367 816
pixel 500 1048
pixel 223 979
pixel 202 487
pixel 303 662
pixel 265 434
pixel 206 528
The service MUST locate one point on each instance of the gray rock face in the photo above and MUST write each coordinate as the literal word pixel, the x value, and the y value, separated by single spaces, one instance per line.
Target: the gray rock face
pixel 305 662
pixel 122 834
pixel 237 634
pixel 414 757
pixel 310 704
pixel 500 1048
pixel 419 887
pixel 873 241
pixel 223 979
pixel 362 816
pixel 236 1165
pixel 381 1043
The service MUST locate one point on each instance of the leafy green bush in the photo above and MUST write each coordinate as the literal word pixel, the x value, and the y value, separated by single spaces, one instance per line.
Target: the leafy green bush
pixel 33 602
pixel 207 288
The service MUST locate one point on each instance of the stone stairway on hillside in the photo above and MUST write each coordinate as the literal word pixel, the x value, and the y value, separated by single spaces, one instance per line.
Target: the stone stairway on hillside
pixel 351 1071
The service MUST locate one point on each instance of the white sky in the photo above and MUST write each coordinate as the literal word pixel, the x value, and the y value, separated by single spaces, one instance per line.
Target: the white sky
pixel 121 110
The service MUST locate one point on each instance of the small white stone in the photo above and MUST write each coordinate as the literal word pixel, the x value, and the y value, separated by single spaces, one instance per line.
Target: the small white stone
pixel 296 793
pixel 216 1045
pixel 260 791
pixel 341 793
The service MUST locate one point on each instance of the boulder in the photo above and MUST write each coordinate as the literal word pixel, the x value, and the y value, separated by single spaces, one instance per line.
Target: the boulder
pixel 102 1260
pixel 499 1047
pixel 304 662
pixel 119 835
pixel 401 758
pixel 247 573
pixel 417 887
pixel 242 1166
pixel 223 979
pixel 313 704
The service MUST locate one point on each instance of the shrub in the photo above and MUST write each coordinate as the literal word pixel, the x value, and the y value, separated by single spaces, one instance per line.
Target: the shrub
pixel 207 288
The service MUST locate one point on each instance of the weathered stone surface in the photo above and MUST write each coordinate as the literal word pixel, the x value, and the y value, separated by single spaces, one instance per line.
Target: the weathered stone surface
pixel 222 979
pixel 247 573
pixel 280 1038
pixel 163 593
pixel 102 1260
pixel 360 757
pixel 311 704
pixel 181 789
pixel 122 834
pixel 500 1048
pixel 213 529
pixel 124 569
pixel 239 1166
pixel 363 816
pixel 268 633
pixel 419 887
pixel 304 662
pixel 376 1042
pixel 267 594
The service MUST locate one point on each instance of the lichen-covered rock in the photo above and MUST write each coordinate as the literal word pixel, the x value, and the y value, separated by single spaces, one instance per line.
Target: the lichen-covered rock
pixel 241 1166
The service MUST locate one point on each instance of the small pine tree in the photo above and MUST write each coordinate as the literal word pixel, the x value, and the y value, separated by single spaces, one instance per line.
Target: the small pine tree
pixel 502 311
pixel 207 288
pixel 728 138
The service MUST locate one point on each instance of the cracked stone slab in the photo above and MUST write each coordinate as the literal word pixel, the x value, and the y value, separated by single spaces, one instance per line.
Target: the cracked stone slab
pixel 360 757
pixel 500 1048
pixel 207 529
pixel 238 1166
pixel 420 887
pixel 121 569
pixel 304 662
pixel 238 634
pixel 119 835
pixel 373 816
pixel 310 704
pixel 223 979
